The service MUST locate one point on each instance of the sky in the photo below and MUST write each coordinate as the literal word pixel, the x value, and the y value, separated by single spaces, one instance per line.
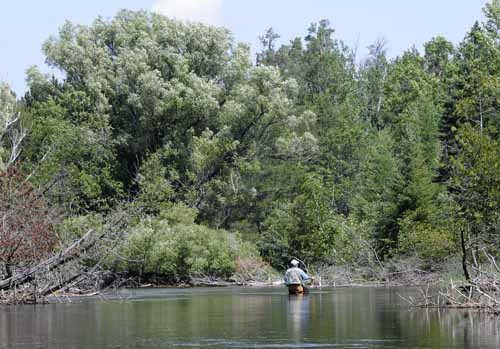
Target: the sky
pixel 26 24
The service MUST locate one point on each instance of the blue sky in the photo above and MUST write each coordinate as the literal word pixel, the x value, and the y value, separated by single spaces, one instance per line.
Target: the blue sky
pixel 25 24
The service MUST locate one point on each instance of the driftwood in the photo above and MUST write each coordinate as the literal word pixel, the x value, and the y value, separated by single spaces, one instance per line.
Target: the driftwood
pixel 77 278
pixel 481 292
pixel 66 284
pixel 209 282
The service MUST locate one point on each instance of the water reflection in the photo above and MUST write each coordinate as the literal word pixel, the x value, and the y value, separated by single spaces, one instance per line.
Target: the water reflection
pixel 460 328
pixel 298 316
pixel 246 318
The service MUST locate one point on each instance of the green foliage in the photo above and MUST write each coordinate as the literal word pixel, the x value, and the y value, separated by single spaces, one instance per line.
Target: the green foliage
pixel 477 85
pixel 476 184
pixel 432 245
pixel 280 227
pixel 141 79
pixel 434 238
pixel 403 159
pixel 377 202
pixel 76 161
pixel 306 153
pixel 308 227
pixel 438 54
pixel 74 227
pixel 156 191
pixel 175 248
pixel 372 82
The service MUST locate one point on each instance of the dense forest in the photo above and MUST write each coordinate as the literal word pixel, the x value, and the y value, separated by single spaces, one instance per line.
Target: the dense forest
pixel 219 163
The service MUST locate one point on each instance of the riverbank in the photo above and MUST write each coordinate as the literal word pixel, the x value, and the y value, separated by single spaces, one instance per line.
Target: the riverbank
pixel 247 273
pixel 392 274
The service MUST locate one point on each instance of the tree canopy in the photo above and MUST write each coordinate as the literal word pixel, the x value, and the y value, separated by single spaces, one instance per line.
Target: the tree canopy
pixel 308 151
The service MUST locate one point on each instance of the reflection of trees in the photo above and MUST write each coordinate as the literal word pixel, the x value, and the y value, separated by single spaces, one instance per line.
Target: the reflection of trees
pixel 352 313
pixel 338 316
pixel 225 315
pixel 451 327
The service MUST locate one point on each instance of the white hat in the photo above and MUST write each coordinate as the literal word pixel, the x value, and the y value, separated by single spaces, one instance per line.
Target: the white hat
pixel 294 262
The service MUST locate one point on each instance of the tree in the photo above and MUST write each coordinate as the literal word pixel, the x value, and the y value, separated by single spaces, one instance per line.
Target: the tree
pixel 268 41
pixel 141 83
pixel 438 54
pixel 137 82
pixel 26 232
pixel 75 160
pixel 478 86
pixel 306 227
pixel 373 79
pixel 11 131
pixel 377 201
pixel 260 124
pixel 476 189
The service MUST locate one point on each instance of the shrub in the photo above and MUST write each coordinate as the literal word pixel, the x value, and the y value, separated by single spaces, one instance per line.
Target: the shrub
pixel 432 244
pixel 163 247
pixel 74 227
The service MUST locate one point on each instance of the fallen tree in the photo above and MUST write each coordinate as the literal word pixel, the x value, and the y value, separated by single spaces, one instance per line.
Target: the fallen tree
pixel 68 254
pixel 76 264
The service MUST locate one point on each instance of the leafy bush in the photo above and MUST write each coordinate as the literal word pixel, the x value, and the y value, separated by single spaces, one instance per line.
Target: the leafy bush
pixel 172 246
pixel 431 244
pixel 74 227
pixel 431 235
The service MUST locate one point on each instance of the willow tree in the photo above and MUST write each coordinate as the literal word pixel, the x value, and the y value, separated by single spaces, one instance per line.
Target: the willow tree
pixel 141 84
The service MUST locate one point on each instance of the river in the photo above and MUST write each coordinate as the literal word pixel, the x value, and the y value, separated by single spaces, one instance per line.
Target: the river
pixel 245 318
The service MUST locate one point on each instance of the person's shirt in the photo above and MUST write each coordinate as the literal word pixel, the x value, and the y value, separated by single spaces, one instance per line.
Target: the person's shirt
pixel 295 276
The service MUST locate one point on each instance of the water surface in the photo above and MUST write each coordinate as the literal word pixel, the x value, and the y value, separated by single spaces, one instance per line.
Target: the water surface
pixel 245 318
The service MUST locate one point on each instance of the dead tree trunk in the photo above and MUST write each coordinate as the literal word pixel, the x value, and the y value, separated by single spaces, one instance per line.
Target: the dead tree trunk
pixel 70 253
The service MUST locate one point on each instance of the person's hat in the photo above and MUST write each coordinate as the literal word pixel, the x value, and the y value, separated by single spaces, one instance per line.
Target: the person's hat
pixel 294 262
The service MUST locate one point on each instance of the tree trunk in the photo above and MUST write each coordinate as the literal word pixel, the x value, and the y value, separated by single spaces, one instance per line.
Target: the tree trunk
pixel 70 253
pixel 464 257
pixel 8 270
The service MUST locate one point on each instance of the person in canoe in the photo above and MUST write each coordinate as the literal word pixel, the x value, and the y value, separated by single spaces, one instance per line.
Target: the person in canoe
pixel 295 279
